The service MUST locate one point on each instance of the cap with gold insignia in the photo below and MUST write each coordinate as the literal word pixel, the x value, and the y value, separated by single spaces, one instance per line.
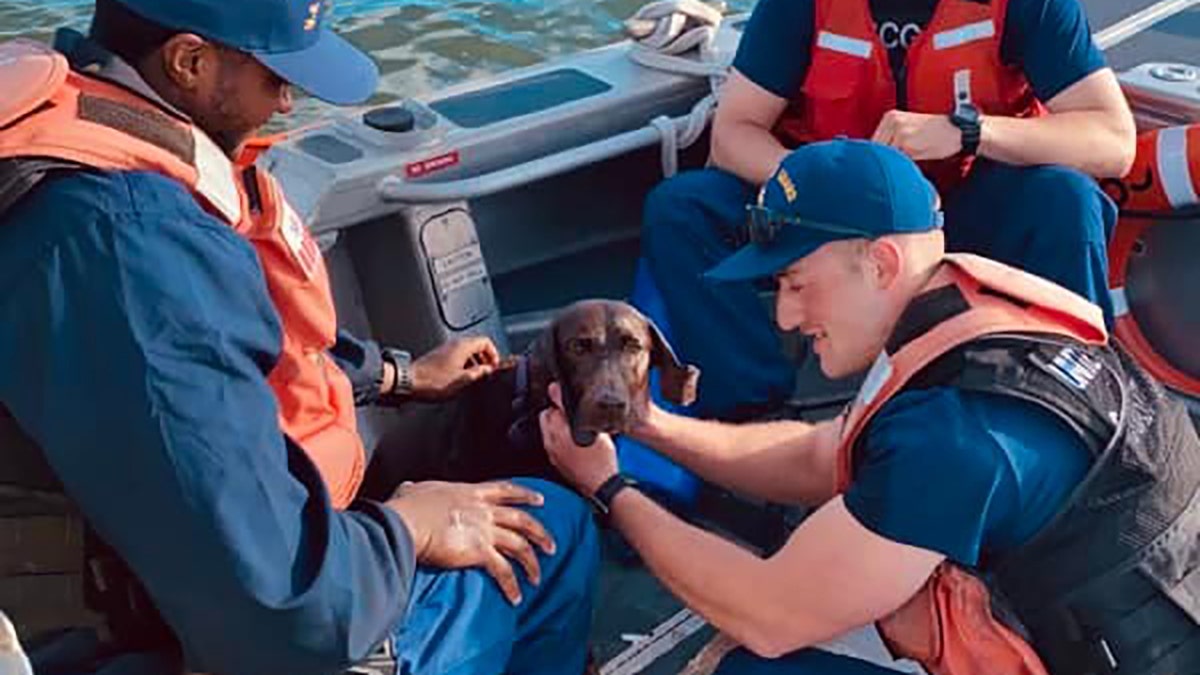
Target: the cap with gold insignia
pixel 823 192
pixel 291 37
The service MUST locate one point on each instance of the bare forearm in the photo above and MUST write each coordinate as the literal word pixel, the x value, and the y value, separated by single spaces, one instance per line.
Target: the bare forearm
pixel 785 461
pixel 1097 143
pixel 748 151
pixel 831 576
pixel 716 579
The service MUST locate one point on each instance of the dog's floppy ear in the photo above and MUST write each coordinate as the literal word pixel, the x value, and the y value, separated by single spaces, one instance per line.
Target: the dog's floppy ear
pixel 543 366
pixel 676 381
pixel 544 352
pixel 547 367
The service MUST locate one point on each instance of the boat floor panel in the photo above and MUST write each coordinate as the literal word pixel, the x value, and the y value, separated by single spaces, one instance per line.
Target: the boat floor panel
pixel 631 604
pixel 635 609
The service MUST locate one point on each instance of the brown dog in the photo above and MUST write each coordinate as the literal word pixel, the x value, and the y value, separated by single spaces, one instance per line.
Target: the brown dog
pixel 601 353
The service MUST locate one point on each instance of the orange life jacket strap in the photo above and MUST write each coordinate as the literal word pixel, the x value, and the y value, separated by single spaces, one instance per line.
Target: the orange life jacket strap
pixel 994 298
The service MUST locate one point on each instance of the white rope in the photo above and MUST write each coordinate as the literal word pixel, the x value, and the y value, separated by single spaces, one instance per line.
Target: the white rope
pixel 665 31
pixel 668 143
pixel 679 65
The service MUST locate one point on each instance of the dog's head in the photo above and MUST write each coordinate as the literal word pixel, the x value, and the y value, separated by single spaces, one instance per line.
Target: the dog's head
pixel 601 352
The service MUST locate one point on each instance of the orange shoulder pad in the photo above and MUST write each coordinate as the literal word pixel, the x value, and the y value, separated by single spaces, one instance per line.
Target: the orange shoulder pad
pixel 1086 317
pixel 31 73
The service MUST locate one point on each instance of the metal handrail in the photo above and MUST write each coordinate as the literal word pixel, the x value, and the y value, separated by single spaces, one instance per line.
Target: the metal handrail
pixel 396 189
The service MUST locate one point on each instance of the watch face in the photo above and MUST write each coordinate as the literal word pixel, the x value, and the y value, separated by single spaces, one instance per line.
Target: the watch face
pixel 964 113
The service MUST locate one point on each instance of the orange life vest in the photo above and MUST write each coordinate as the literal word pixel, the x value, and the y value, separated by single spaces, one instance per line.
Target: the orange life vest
pixel 1165 178
pixel 849 84
pixel 948 625
pixel 51 111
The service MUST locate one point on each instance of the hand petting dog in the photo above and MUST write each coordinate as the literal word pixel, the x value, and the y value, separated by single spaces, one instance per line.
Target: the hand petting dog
pixel 586 467
pixel 600 352
pixel 447 370
pixel 593 364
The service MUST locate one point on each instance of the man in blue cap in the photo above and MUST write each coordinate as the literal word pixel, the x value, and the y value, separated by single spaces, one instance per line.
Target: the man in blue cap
pixel 165 342
pixel 993 404
pixel 1008 105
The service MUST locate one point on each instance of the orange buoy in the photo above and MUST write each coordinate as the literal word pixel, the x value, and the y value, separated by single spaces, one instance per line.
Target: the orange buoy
pixel 1154 256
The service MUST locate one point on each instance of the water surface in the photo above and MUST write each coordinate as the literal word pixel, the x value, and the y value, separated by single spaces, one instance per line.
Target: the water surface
pixel 421 45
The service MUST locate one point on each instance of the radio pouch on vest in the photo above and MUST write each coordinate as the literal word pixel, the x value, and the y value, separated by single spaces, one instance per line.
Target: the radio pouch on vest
pixel 953 627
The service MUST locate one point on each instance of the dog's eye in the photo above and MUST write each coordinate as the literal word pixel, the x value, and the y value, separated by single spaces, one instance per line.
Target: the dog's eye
pixel 580 346
pixel 631 345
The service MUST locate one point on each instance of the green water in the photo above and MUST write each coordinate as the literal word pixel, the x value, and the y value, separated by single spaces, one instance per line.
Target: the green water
pixel 420 45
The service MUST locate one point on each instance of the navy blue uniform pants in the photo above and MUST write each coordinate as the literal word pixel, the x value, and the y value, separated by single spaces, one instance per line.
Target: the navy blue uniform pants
pixel 459 623
pixel 1049 220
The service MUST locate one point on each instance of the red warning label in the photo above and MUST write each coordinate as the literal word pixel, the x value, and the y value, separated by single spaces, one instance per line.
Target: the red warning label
pixel 427 166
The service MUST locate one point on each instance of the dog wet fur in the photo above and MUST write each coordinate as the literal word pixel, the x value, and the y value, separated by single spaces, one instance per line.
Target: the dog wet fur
pixel 601 353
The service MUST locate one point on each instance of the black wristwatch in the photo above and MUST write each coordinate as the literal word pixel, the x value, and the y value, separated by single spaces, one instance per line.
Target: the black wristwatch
pixel 401 361
pixel 966 118
pixel 603 497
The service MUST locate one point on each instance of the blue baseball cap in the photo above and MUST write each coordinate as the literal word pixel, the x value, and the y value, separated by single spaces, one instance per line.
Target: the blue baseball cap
pixel 829 191
pixel 288 36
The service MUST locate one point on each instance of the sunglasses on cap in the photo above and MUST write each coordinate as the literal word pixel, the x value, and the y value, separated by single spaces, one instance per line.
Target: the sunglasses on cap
pixel 764 225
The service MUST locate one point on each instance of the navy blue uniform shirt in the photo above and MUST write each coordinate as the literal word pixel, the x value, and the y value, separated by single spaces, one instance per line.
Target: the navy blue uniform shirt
pixel 966 474
pixel 1048 39
pixel 136 334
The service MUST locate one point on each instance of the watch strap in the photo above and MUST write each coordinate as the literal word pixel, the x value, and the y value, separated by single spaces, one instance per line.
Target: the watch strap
pixel 966 116
pixel 608 490
pixel 970 136
pixel 402 384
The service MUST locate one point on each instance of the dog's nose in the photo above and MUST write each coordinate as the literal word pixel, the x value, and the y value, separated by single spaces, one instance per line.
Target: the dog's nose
pixel 611 405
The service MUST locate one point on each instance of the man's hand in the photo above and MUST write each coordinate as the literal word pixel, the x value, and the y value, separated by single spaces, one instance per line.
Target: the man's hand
pixel 457 525
pixel 586 468
pixel 652 426
pixel 445 371
pixel 918 135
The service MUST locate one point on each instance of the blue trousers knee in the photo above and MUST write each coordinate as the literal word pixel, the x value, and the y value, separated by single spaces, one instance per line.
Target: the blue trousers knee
pixel 1049 220
pixel 690 223
pixel 459 623
pixel 803 662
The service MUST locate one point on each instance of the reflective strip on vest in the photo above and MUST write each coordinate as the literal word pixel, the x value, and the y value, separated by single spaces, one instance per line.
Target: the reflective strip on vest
pixel 215 178
pixel 1120 301
pixel 844 44
pixel 1173 167
pixel 980 30
pixel 880 373
pixel 962 89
